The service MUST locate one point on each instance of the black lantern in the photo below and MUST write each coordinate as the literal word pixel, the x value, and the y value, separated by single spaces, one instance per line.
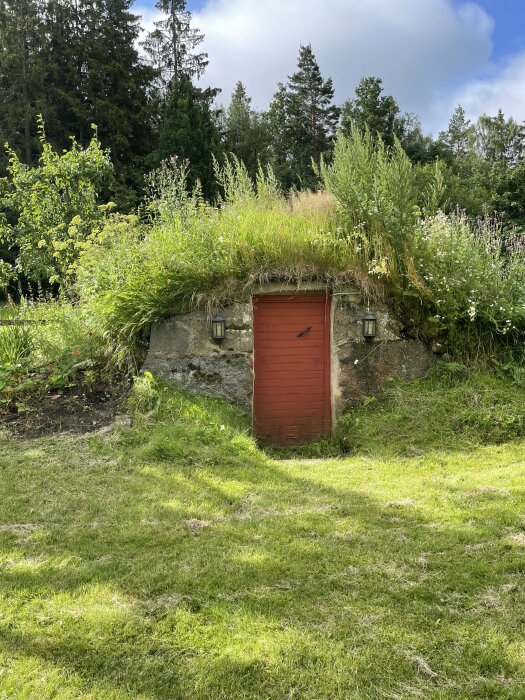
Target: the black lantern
pixel 369 325
pixel 218 327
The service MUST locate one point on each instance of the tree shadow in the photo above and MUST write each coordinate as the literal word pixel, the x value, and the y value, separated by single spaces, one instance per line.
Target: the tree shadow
pixel 188 560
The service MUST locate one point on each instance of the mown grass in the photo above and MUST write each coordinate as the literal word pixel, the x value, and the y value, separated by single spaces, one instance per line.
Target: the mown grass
pixel 454 408
pixel 133 568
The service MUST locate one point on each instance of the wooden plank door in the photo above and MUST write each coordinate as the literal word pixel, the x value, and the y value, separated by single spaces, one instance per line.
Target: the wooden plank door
pixel 291 400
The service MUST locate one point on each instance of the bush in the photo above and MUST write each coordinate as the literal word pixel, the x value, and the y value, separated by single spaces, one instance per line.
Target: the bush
pixel 381 197
pixel 474 280
pixel 48 211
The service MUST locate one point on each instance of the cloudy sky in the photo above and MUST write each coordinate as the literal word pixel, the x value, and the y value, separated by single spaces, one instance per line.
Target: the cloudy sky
pixel 431 54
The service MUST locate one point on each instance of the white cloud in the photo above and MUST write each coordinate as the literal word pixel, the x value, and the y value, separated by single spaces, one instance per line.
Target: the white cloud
pixel 148 16
pixel 421 48
pixel 504 88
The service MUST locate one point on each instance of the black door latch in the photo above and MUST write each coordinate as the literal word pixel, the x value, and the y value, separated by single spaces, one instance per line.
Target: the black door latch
pixel 306 330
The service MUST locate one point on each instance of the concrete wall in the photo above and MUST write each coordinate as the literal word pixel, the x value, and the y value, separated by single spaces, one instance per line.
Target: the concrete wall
pixel 182 352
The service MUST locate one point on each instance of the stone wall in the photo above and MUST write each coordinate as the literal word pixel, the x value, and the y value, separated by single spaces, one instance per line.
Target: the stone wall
pixel 360 368
pixel 182 352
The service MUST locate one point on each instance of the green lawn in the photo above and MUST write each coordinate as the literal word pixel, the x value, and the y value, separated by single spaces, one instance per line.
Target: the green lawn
pixel 127 572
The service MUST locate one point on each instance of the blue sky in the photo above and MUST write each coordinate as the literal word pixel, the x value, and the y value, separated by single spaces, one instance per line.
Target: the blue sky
pixel 509 18
pixel 431 54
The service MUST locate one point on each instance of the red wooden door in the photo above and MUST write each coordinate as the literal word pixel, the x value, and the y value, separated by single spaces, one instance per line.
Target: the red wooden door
pixel 291 399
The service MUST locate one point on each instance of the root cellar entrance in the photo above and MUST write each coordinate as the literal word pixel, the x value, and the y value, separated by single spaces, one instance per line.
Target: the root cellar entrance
pixel 291 400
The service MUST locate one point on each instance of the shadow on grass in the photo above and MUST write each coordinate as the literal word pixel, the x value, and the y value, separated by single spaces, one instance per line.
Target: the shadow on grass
pixel 252 579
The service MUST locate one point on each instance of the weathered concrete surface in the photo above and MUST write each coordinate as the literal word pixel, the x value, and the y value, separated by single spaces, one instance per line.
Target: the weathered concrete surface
pixel 361 368
pixel 182 352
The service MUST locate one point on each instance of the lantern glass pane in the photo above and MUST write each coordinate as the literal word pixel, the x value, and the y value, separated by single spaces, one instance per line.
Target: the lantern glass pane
pixel 218 328
pixel 369 328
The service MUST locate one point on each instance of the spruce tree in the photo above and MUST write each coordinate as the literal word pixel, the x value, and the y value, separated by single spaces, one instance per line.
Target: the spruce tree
pixel 172 45
pixel 372 110
pixel 66 112
pixel 22 73
pixel 244 132
pixel 188 130
pixel 116 87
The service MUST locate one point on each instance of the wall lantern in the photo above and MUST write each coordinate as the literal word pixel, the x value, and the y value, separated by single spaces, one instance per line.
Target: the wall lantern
pixel 218 327
pixel 369 325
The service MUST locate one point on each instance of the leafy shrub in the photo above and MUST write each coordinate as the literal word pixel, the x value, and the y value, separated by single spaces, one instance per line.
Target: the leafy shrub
pixel 381 196
pixel 474 279
pixel 50 209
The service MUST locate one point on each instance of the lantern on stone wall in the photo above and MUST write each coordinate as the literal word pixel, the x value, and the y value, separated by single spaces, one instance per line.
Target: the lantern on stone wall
pixel 218 327
pixel 369 325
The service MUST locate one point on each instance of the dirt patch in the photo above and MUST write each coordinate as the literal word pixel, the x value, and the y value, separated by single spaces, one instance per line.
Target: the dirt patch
pixel 73 411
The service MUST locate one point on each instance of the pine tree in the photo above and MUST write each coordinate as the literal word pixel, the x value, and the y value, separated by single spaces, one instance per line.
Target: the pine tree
pixel 310 101
pixel 308 120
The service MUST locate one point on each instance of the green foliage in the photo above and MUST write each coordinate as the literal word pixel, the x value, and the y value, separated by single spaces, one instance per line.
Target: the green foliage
pixel 195 253
pixel 23 70
pixel 50 346
pixel 172 44
pixel 51 208
pixel 302 121
pixel 16 345
pixel 188 130
pixel 371 112
pixel 380 200
pixel 245 134
pixel 455 408
pixel 474 279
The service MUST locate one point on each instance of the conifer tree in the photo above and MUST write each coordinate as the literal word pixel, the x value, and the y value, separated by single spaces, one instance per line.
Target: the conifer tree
pixel 188 130
pixel 67 111
pixel 308 120
pixel 116 89
pixel 373 111
pixel 22 73
pixel 172 45
pixel 459 136
pixel 244 132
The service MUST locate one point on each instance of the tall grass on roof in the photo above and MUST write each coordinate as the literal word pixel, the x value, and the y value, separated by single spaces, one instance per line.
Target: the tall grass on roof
pixel 193 253
pixel 381 196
